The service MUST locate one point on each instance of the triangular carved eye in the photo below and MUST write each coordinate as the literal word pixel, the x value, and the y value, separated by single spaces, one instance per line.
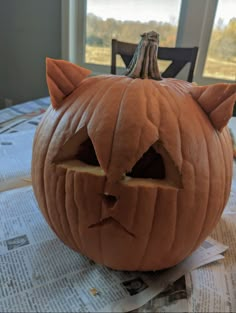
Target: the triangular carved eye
pixel 86 153
pixel 78 148
pixel 157 164
pixel 151 165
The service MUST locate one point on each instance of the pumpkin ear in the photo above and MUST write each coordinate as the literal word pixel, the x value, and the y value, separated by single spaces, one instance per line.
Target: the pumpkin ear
pixel 217 101
pixel 63 78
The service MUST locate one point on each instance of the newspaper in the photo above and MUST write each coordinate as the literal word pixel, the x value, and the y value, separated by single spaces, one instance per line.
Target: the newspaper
pixel 21 124
pixel 17 128
pixel 38 273
pixel 18 117
pixel 15 159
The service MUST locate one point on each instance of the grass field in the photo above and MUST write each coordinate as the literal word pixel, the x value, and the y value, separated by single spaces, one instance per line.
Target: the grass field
pixel 213 68
pixel 220 69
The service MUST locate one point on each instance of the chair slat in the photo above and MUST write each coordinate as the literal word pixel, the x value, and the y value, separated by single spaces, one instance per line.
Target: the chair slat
pixel 179 57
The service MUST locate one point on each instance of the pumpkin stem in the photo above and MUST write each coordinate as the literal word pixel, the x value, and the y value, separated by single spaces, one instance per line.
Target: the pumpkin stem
pixel 144 62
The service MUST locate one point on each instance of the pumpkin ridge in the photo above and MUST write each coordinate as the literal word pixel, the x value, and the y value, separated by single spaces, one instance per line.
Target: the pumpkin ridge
pixel 230 160
pixel 66 227
pixel 67 177
pixel 169 241
pixel 76 124
pixel 209 191
pixel 136 205
pixel 179 86
pixel 116 123
pixel 44 175
pixel 44 207
pixel 184 158
pixel 108 78
pixel 222 149
pixel 148 107
pixel 192 204
pixel 100 100
pixel 165 104
pixel 166 95
pixel 227 172
pixel 173 102
pixel 102 257
pixel 56 204
pixel 148 123
pixel 66 210
pixel 104 165
pixel 82 108
pixel 77 215
pixel 179 128
pixel 199 237
pixel 173 239
pixel 57 212
pixel 141 259
pixel 97 91
pixel 77 207
pixel 223 177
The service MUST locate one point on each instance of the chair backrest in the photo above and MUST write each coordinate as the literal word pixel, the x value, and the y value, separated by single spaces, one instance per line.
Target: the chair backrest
pixel 179 57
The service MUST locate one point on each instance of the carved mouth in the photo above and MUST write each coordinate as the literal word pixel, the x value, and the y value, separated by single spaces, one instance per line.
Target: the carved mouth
pixel 111 220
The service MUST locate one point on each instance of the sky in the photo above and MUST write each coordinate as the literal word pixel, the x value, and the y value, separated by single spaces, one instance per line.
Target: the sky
pixel 146 10
pixel 142 10
pixel 226 9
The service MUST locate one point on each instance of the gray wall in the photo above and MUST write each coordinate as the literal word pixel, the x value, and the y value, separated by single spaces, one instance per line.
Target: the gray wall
pixel 30 30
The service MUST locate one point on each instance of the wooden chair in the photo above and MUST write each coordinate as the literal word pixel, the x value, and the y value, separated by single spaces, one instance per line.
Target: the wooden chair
pixel 179 57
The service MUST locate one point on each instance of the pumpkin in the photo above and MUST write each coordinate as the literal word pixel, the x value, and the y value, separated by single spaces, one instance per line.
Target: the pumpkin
pixel 132 171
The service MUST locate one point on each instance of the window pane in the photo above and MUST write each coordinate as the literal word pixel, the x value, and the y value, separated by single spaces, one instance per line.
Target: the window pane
pixel 221 56
pixel 125 20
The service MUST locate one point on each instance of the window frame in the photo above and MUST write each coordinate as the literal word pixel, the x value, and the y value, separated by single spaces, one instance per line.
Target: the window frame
pixel 195 26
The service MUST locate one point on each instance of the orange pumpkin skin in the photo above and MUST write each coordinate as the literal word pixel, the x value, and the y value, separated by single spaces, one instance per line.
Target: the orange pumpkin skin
pixel 155 223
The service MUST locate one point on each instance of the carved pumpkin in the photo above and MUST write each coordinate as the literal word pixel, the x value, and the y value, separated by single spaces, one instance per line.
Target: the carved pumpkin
pixel 134 173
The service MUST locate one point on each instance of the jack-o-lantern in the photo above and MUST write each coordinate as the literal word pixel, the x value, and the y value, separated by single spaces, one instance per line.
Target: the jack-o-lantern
pixel 132 171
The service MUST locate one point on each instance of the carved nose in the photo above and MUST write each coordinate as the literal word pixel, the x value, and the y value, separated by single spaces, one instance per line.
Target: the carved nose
pixel 109 200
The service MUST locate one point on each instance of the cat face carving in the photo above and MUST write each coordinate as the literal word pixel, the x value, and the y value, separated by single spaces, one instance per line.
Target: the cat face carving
pixel 126 170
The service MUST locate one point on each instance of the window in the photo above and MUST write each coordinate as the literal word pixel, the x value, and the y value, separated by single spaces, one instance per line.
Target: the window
pixel 221 56
pixel 125 20
pixel 89 25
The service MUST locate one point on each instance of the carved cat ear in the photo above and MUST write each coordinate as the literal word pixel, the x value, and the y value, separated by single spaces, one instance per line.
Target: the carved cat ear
pixel 63 78
pixel 217 101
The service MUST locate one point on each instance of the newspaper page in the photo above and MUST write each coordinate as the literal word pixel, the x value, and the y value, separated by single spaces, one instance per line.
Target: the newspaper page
pixel 213 287
pixel 12 118
pixel 38 273
pixel 22 124
pixel 15 159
